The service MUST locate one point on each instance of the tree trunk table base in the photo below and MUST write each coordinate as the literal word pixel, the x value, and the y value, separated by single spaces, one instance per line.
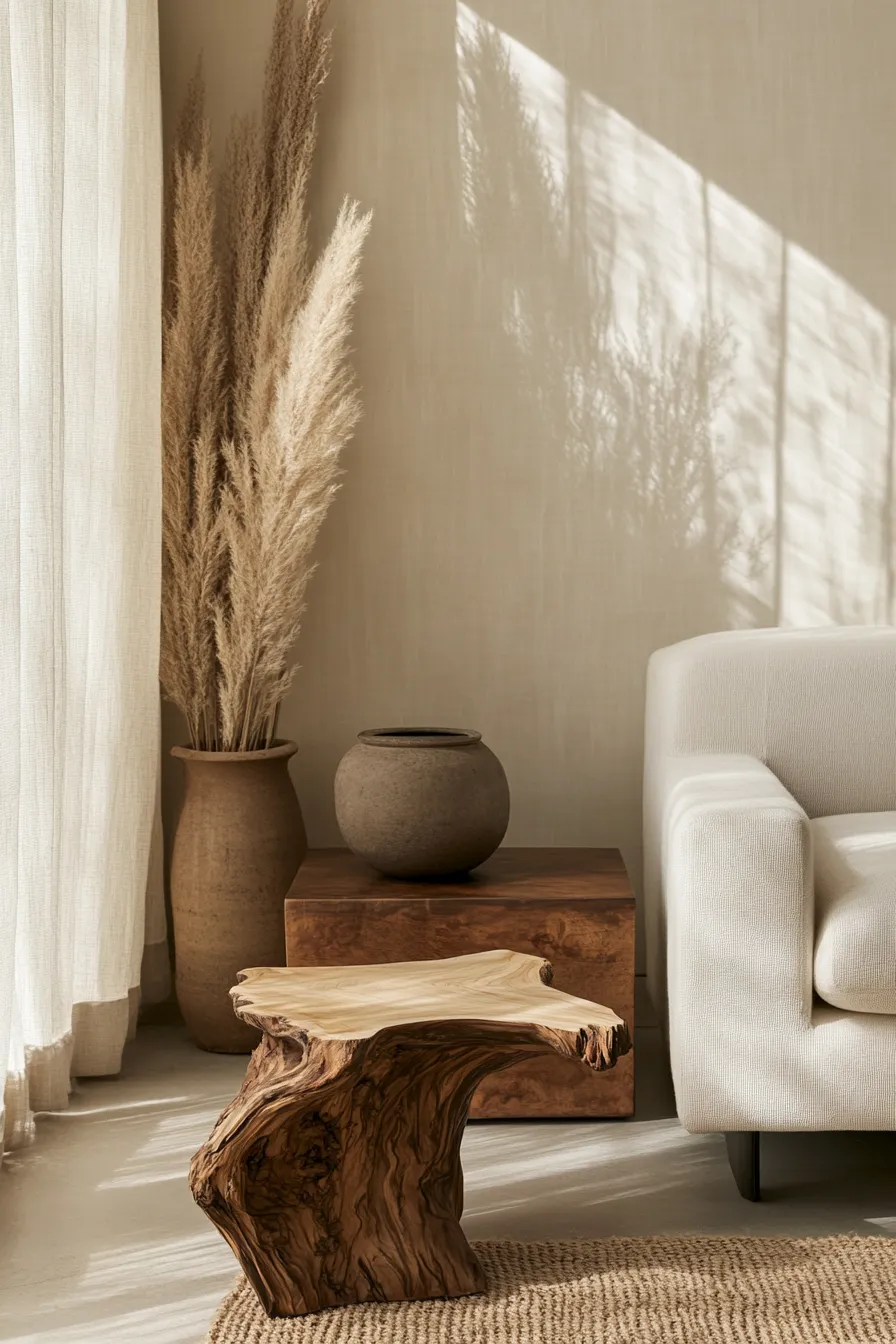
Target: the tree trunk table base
pixel 335 1174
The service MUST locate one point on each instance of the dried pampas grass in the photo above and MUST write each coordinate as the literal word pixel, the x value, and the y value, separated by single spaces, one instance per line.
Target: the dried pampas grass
pixel 258 396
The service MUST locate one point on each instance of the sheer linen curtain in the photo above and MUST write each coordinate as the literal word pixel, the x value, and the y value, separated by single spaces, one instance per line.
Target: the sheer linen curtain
pixel 80 207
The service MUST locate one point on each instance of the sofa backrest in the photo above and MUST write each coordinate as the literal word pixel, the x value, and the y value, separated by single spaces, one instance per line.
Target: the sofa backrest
pixel 817 706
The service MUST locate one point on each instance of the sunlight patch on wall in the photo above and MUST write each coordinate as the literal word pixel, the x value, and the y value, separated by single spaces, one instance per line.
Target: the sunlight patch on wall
pixel 543 89
pixel 653 249
pixel 836 451
pixel 792 499
pixel 743 262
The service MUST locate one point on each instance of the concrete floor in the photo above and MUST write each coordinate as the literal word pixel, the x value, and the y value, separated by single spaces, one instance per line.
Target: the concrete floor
pixel 101 1242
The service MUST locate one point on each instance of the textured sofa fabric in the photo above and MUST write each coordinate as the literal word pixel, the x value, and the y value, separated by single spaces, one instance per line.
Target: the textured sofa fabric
pixel 749 736
pixel 855 911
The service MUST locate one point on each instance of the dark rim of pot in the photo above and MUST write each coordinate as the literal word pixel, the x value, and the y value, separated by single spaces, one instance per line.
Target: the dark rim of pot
pixel 419 737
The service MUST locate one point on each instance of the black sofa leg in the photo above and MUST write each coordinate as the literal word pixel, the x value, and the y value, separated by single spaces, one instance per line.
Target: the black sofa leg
pixel 743 1156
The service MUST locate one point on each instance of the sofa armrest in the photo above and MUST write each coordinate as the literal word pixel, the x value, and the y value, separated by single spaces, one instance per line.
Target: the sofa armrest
pixel 737 893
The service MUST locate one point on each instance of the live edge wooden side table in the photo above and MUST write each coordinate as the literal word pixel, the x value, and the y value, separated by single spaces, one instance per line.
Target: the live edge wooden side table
pixel 335 1175
pixel 572 906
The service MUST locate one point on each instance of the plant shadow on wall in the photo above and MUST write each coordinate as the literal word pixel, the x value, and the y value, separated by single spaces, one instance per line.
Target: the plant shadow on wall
pixel 628 416
pixel 636 530
pixel 600 248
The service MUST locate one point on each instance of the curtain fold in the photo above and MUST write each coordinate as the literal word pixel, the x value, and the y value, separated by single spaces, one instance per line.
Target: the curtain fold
pixel 80 209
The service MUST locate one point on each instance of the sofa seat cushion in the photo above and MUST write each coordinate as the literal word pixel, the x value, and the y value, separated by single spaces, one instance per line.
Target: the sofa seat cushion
pixel 855 911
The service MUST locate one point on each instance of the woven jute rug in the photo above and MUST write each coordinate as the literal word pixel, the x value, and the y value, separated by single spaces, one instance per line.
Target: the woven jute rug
pixel 650 1290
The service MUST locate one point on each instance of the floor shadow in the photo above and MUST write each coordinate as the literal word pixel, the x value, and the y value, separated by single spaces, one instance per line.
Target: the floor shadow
pixel 855 1169
pixel 99 1228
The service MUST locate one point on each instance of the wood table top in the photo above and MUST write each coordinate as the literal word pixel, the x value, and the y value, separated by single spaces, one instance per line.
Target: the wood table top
pixel 340 1003
pixel 511 873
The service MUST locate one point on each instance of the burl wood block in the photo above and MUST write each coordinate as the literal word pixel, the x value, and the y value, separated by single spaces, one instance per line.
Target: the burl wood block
pixel 573 906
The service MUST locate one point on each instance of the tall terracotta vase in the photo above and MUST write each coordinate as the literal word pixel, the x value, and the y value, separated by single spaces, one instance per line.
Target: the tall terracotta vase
pixel 239 842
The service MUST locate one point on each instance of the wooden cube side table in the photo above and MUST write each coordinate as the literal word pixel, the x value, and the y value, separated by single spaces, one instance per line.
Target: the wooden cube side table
pixel 573 906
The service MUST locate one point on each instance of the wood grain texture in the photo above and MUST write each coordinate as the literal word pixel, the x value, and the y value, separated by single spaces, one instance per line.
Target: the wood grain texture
pixel 335 1174
pixel 573 906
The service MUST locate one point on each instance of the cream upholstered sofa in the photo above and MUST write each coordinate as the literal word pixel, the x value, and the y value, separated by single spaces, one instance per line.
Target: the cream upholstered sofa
pixel 770 880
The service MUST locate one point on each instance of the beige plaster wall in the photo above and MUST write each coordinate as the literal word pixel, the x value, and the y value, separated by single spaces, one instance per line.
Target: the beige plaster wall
pixel 566 192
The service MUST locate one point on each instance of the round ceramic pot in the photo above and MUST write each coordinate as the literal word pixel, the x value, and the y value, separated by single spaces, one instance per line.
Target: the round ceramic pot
pixel 422 802
pixel 239 841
